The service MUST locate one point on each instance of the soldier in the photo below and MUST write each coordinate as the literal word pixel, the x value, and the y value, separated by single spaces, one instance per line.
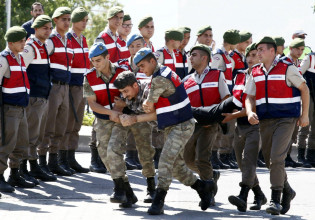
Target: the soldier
pixel 246 140
pixel 173 113
pixel 115 46
pixel 125 29
pixel 181 54
pixel 280 46
pixel 275 89
pixel 60 49
pixel 37 62
pixel 146 28
pixel 14 99
pixel 37 9
pixel 205 36
pixel 302 35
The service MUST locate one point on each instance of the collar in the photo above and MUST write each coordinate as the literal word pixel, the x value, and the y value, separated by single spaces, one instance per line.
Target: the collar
pixel 112 71
pixel 224 51
pixel 167 50
pixel 54 32
pixel 274 63
pixel 205 71
pixel 7 49
pixel 110 33
pixel 38 41
pixel 75 35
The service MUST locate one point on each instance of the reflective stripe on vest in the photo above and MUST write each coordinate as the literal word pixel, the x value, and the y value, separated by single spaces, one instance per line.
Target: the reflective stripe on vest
pixel 238 89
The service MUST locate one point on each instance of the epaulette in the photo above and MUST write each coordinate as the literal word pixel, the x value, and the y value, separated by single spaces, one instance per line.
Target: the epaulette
pixel 90 71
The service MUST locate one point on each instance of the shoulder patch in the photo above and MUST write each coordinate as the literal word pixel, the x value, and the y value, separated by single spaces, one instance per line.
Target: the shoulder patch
pixel 25 50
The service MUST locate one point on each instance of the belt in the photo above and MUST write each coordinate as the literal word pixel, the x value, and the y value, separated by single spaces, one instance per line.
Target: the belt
pixel 18 106
pixel 59 82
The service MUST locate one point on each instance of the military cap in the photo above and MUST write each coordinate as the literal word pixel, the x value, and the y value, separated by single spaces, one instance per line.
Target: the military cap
pixel 266 40
pixel 297 42
pixel 203 30
pixel 14 34
pixel 78 14
pixel 250 48
pixel 97 49
pixel 126 17
pixel 174 34
pixel 133 38
pixel 185 30
pixel 279 41
pixel 232 37
pixel 201 47
pixel 40 21
pixel 114 11
pixel 245 35
pixel 144 21
pixel 61 11
pixel 142 53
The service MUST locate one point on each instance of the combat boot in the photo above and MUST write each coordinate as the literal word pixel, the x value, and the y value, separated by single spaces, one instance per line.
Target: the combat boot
pixel 150 190
pixel 215 161
pixel 204 189
pixel 289 162
pixel 38 173
pixel 157 206
pixel 310 156
pixel 225 159
pixel 259 199
pixel 96 165
pixel 16 180
pixel 73 163
pixel 302 159
pixel 287 195
pixel 131 158
pixel 131 197
pixel 55 168
pixel 4 186
pixel 216 176
pixel 240 201
pixel 43 164
pixel 25 174
pixel 119 195
pixel 260 163
pixel 156 157
pixel 63 161
pixel 274 207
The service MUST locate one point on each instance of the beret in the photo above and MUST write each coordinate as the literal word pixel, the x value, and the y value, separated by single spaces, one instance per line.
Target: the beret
pixel 250 48
pixel 232 37
pixel 185 30
pixel 297 42
pixel 174 34
pixel 266 40
pixel 61 11
pixel 78 14
pixel 201 47
pixel 144 21
pixel 245 35
pixel 114 11
pixel 142 53
pixel 279 41
pixel 203 30
pixel 133 38
pixel 97 49
pixel 14 34
pixel 41 20
pixel 126 17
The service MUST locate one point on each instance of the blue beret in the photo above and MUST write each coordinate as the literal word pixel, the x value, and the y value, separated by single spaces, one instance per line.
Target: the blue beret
pixel 133 38
pixel 97 49
pixel 142 53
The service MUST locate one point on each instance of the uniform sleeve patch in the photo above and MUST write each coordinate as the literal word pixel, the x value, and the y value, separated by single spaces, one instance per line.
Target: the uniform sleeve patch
pixel 26 50
pixel 216 58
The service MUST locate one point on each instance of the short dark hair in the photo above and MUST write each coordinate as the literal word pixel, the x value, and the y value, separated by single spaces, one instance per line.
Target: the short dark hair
pixel 204 53
pixel 149 57
pixel 274 46
pixel 104 54
pixel 124 79
pixel 36 3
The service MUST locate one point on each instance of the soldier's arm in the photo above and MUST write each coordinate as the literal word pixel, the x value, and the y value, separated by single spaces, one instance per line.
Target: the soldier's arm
pixel 159 57
pixel 223 88
pixel 217 62
pixel 50 46
pixel 160 86
pixel 4 68
pixel 234 115
pixel 128 120
pixel 305 97
pixel 305 65
pixel 250 101
pixel 28 55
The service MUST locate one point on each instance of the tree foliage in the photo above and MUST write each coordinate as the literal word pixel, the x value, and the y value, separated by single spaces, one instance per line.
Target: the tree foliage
pixel 20 13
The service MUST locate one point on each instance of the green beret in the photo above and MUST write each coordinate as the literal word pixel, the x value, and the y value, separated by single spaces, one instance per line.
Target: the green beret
pixel 297 42
pixel 126 17
pixel 40 21
pixel 201 47
pixel 78 14
pixel 203 30
pixel 232 37
pixel 279 41
pixel 250 48
pixel 61 11
pixel 144 21
pixel 174 34
pixel 114 11
pixel 266 40
pixel 185 30
pixel 245 35
pixel 14 34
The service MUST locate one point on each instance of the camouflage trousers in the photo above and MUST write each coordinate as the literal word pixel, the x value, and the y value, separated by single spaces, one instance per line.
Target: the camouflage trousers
pixel 117 147
pixel 172 162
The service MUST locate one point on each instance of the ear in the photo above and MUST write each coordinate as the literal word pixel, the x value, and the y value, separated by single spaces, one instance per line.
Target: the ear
pixel 135 85
pixel 107 57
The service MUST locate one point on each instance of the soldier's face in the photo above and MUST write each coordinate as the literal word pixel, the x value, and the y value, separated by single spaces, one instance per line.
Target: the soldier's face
pixel 147 31
pixel 265 54
pixel 147 67
pixel 116 21
pixel 130 92
pixel 44 32
pixel 252 58
pixel 81 25
pixel 185 40
pixel 280 49
pixel 63 22
pixel 125 28
pixel 195 59
pixel 99 62
pixel 135 47
pixel 18 46
pixel 206 38
pixel 242 46
pixel 37 11
pixel 296 52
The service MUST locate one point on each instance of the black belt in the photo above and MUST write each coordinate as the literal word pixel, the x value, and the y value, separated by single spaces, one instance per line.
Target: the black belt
pixel 59 82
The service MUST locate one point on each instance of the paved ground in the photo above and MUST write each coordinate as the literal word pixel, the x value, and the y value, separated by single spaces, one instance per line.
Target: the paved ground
pixel 86 196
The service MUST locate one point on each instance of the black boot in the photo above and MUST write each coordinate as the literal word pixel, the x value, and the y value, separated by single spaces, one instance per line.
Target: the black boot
pixel 150 190
pixel 216 176
pixel 38 173
pixel 96 163
pixel 274 207
pixel 260 163
pixel 240 201
pixel 225 159
pixel 73 163
pixel 310 156
pixel 302 159
pixel 16 180
pixel 131 197
pixel 157 206
pixel 287 196
pixel 119 195
pixel 25 174
pixel 215 161
pixel 259 199
pixel 131 158
pixel 43 164
pixel 4 186
pixel 289 162
pixel 63 161
pixel 261 156
pixel 156 157
pixel 55 168
pixel 204 189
